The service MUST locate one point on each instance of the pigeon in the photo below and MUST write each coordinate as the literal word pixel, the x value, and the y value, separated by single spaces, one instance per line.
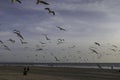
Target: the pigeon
pixel 61 28
pixel 13 1
pixel 50 11
pixel 17 32
pixel 42 1
pixel 97 43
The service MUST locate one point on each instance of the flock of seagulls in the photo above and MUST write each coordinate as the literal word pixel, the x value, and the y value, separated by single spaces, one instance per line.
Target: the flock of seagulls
pixel 50 11
pixel 41 46
pixel 59 41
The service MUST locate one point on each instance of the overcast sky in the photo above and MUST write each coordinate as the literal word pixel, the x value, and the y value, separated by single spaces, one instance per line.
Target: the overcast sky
pixel 85 22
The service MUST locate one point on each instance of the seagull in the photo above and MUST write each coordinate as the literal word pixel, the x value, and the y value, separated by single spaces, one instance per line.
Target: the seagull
pixel 46 37
pixel 17 32
pixel 61 28
pixel 114 46
pixel 16 1
pixel 61 40
pixel 42 42
pixel 11 40
pixel 113 50
pixel 56 58
pixel 50 11
pixel 39 49
pixel 72 46
pixel 93 50
pixel 1 42
pixel 43 2
pixel 6 47
pixel 99 66
pixel 97 43
pixel 22 42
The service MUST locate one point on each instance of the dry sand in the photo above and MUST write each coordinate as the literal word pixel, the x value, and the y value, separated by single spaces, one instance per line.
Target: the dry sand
pixel 47 73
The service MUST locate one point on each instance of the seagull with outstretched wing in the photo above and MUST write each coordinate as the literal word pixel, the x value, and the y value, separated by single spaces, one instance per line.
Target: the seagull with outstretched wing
pixel 17 32
pixel 13 1
pixel 93 50
pixel 56 58
pixel 97 43
pixel 11 40
pixel 42 2
pixel 1 42
pixel 50 11
pixel 23 42
pixel 6 47
pixel 62 29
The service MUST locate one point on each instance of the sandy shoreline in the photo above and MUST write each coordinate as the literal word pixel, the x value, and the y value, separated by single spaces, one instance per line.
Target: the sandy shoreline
pixel 47 73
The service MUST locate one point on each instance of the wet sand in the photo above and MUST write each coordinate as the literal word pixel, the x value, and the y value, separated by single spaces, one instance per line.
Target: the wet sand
pixel 49 73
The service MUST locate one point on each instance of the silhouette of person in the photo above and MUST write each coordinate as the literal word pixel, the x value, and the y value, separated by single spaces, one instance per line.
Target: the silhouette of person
pixel 25 71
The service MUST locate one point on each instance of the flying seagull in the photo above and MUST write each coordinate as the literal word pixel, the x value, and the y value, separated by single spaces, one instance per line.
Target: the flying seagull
pixel 13 1
pixel 1 42
pixel 50 11
pixel 93 50
pixel 6 47
pixel 97 43
pixel 61 40
pixel 56 58
pixel 72 46
pixel 62 29
pixel 114 46
pixel 11 40
pixel 23 42
pixel 113 50
pixel 42 1
pixel 17 32
pixel 39 49
pixel 46 37
pixel 42 42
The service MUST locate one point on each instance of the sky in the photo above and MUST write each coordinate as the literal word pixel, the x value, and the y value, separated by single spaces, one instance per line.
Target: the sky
pixel 85 22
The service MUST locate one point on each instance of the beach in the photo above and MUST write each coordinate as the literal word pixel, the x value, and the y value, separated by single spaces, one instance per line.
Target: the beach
pixel 57 73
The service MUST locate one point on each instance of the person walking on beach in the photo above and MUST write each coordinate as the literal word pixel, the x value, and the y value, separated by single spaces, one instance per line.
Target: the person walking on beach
pixel 25 71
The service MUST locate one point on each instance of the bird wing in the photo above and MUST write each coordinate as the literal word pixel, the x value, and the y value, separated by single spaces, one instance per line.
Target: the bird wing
pixel 43 2
pixel 19 1
pixel 19 35
pixel 53 12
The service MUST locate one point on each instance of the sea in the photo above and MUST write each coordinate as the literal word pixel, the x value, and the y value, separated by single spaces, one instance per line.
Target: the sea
pixel 73 65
